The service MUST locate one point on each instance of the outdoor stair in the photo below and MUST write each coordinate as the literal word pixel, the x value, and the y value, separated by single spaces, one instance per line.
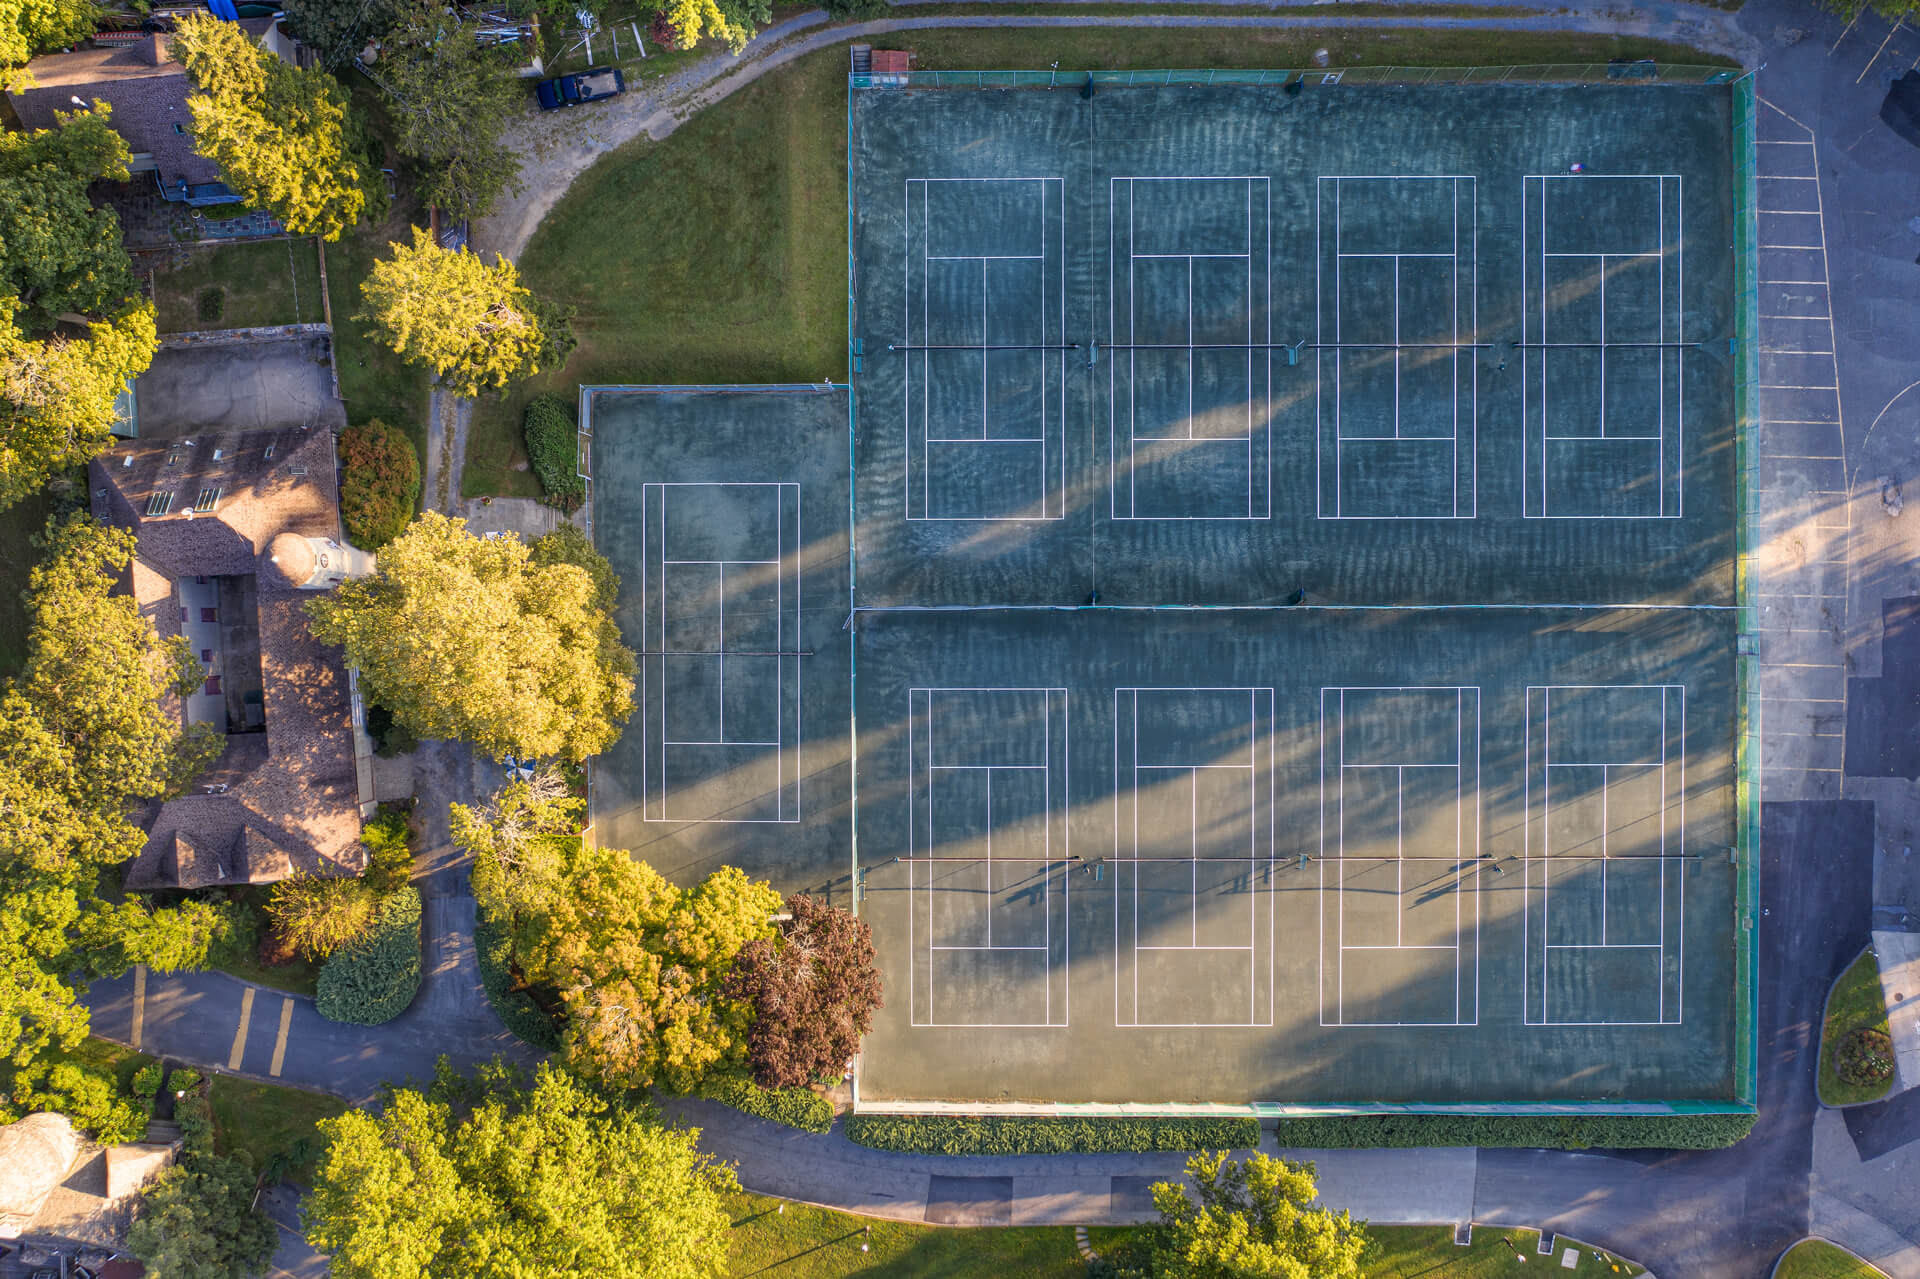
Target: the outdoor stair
pixel 162 1132
pixel 862 59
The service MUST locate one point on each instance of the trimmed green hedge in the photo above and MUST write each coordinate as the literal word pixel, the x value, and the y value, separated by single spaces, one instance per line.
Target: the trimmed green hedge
pixel 515 1008
pixel 799 1108
pixel 553 448
pixel 1010 1135
pixel 1550 1132
pixel 373 978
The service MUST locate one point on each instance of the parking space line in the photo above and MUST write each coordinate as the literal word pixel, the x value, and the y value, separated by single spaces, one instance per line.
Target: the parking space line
pixel 280 1040
pixel 240 1035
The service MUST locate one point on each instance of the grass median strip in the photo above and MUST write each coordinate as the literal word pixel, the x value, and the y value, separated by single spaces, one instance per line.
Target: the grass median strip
pixel 1856 1004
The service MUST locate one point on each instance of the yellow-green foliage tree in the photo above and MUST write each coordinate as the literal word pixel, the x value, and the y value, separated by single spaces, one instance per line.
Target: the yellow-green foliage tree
pixel 28 27
pixel 279 134
pixel 83 739
pixel 1251 1217
pixel 465 638
pixel 60 257
pixel 642 966
pixel 471 323
pixel 496 1181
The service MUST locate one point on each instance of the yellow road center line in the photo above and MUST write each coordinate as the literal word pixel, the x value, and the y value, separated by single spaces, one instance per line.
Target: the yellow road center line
pixel 240 1035
pixel 139 1002
pixel 280 1040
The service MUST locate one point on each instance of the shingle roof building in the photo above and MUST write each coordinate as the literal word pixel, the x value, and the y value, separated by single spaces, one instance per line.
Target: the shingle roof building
pixel 285 795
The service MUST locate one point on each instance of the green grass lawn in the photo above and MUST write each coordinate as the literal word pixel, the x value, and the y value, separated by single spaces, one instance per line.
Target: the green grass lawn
pixel 261 282
pixel 1857 1003
pixel 1818 1259
pixel 373 380
pixel 719 254
pixel 261 1119
pixel 816 1243
pixel 1404 1252
pixel 102 1056
pixel 19 523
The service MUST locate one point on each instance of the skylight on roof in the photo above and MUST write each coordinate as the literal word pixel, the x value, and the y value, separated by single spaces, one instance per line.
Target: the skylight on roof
pixel 160 503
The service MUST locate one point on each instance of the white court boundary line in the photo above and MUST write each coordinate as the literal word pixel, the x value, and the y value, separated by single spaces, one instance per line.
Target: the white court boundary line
pixel 1466 853
pixel 1536 501
pixel 785 565
pixel 1055 808
pixel 1674 799
pixel 1459 509
pixel 1260 703
pixel 1258 254
pixel 1052 470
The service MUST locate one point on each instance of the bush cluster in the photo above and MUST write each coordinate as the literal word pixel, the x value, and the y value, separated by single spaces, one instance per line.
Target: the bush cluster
pixel 1866 1057
pixel 379 483
pixel 553 448
pixel 373 978
pixel 799 1108
pixel 1010 1135
pixel 1549 1132
pixel 515 1008
pixel 92 1100
pixel 389 860
pixel 390 737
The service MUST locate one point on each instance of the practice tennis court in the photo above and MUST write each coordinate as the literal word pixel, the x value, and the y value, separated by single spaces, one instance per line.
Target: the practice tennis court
pixel 1137 372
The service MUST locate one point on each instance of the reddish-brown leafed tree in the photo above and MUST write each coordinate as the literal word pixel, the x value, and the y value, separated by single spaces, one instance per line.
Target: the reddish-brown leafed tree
pixel 813 990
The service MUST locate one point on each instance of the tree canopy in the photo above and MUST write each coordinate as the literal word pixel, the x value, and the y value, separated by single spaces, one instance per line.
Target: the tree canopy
pixel 1250 1219
pixel 340 29
pixel 62 257
pixel 497 1181
pixel 198 1219
pixel 471 323
pixel 451 100
pixel 58 252
pixel 82 739
pixel 28 27
pixel 812 989
pixel 467 638
pixel 278 133
pixel 733 21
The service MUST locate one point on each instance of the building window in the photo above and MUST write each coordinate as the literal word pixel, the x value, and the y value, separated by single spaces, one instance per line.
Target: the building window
pixel 183 617
pixel 199 579
pixel 218 454
pixel 159 504
pixel 178 127
pixel 208 497
pixel 206 655
pixel 269 453
pixel 209 614
pixel 213 686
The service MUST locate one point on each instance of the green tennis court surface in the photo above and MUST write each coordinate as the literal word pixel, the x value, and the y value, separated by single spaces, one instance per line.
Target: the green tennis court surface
pixel 1130 373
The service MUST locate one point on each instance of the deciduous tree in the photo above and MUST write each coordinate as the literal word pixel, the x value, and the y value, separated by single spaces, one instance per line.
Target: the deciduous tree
pixel 446 309
pixel 82 738
pixel 59 253
pixel 462 637
pixel 58 394
pixel 278 133
pixel 340 29
pixel 520 842
pixel 28 27
pixel 451 101
pixel 1244 1218
pixel 813 990
pixel 642 967
pixel 733 21
pixel 516 1183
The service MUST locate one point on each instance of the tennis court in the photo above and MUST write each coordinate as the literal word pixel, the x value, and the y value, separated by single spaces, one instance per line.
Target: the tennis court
pixel 1450 366
pixel 724 511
